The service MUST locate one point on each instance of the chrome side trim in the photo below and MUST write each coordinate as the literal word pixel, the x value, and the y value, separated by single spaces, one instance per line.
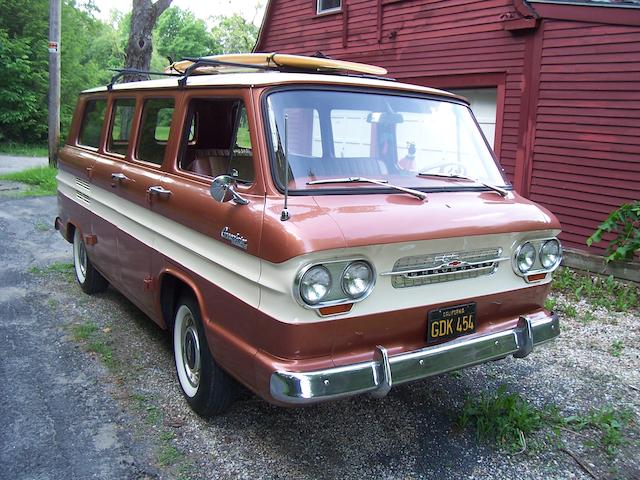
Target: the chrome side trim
pixel 380 374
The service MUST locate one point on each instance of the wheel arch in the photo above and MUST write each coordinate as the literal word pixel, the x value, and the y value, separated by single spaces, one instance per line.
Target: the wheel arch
pixel 173 284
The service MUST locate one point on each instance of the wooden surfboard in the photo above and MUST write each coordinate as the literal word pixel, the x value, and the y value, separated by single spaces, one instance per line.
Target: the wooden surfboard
pixel 277 60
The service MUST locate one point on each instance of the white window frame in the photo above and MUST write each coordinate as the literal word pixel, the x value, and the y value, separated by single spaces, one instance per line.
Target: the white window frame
pixel 320 11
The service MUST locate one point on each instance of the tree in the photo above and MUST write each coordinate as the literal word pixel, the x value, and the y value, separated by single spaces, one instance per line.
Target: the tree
pixel 24 59
pixel 180 34
pixel 234 34
pixel 144 15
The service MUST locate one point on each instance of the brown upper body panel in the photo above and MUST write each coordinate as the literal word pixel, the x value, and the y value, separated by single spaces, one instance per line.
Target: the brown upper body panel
pixel 324 222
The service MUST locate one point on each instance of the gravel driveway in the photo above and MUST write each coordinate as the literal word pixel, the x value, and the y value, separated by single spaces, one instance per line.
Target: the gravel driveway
pixel 88 391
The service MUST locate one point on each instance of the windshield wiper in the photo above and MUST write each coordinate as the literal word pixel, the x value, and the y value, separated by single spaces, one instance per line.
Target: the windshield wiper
pixel 500 191
pixel 384 183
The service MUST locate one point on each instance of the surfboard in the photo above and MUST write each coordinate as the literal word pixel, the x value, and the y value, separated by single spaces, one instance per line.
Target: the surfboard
pixel 275 60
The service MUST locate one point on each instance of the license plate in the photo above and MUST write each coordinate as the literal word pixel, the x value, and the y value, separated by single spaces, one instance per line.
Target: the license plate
pixel 451 322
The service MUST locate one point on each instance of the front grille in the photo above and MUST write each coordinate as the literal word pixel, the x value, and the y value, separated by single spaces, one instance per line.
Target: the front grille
pixel 444 267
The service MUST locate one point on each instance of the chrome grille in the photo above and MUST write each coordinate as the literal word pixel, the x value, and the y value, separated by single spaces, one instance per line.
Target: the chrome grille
pixel 83 198
pixel 444 267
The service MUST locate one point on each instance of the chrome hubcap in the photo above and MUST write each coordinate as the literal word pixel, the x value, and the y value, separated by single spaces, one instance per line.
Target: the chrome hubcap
pixel 190 351
pixel 82 258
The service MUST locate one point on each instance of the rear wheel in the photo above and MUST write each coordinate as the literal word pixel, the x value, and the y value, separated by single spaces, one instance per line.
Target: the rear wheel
pixel 90 280
pixel 207 388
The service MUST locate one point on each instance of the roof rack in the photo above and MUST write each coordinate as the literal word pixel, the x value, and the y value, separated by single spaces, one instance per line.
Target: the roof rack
pixel 263 62
pixel 121 72
pixel 271 66
pixel 208 62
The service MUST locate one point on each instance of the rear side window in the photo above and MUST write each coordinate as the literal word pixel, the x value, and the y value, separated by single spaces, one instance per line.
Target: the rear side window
pixel 123 110
pixel 154 129
pixel 92 123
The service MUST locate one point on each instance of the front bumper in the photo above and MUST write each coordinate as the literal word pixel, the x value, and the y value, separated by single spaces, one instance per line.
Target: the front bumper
pixel 378 375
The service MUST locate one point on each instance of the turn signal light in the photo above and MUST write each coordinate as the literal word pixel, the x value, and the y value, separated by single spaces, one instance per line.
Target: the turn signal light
pixel 335 309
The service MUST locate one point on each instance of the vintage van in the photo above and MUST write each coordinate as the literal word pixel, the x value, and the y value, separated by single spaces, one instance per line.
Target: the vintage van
pixel 304 227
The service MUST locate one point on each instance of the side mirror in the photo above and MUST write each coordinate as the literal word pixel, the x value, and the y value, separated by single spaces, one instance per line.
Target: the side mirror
pixel 223 189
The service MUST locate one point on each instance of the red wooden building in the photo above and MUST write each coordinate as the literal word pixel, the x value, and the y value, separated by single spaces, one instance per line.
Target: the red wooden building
pixel 554 84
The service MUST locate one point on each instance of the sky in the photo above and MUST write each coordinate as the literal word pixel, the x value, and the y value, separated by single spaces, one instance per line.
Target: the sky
pixel 201 8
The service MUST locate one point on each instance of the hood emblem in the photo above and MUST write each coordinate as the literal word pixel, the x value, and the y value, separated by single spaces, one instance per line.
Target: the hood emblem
pixel 235 239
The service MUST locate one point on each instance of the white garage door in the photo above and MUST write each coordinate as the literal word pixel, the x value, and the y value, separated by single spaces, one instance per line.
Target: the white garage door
pixel 483 103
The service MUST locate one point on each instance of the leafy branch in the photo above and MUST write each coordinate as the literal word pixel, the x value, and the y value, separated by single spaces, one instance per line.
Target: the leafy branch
pixel 624 222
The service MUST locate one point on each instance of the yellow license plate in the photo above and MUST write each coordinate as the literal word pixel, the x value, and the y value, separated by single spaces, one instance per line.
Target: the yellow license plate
pixel 451 322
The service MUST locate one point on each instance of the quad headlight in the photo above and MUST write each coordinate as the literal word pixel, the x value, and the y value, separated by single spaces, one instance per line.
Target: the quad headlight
pixel 357 279
pixel 550 253
pixel 315 284
pixel 526 257
pixel 334 282
pixel 535 258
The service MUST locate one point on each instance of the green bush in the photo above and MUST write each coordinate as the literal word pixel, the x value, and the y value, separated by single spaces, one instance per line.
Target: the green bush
pixel 624 222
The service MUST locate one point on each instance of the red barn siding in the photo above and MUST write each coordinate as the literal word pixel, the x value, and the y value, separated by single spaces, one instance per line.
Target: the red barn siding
pixel 586 157
pixel 434 40
pixel 568 94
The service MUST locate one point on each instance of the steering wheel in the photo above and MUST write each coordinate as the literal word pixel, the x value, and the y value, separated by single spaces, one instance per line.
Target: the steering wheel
pixel 449 168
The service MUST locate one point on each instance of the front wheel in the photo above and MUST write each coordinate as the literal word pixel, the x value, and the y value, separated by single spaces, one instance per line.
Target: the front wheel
pixel 207 388
pixel 90 280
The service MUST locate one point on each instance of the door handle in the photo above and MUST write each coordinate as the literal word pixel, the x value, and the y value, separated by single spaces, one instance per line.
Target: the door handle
pixel 159 190
pixel 119 176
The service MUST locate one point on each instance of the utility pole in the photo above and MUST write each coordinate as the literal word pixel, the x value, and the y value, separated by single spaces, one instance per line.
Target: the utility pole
pixel 55 19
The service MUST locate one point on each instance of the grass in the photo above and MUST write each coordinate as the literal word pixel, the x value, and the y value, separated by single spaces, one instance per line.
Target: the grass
pixel 65 270
pixel 95 341
pixel 84 331
pixel 503 418
pixel 24 150
pixel 167 453
pixel 600 291
pixel 41 180
pixel 616 348
pixel 608 422
pixel 42 227
pixel 507 420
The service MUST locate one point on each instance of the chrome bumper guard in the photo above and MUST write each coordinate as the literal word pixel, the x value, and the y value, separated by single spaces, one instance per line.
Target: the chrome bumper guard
pixel 378 376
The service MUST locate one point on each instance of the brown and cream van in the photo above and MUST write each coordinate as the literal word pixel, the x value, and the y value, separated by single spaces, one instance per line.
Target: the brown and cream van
pixel 304 227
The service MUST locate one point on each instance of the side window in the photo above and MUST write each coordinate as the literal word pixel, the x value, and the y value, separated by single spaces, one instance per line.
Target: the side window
pixel 92 120
pixel 218 141
pixel 154 129
pixel 325 6
pixel 121 120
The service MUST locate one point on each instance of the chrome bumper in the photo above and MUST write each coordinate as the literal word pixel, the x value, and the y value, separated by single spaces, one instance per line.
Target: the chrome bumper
pixel 377 376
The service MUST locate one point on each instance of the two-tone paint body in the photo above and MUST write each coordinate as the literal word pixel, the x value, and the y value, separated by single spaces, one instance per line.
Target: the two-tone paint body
pixel 150 245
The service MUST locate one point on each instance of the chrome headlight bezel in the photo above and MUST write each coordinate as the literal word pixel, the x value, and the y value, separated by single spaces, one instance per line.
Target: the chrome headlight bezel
pixel 336 295
pixel 537 267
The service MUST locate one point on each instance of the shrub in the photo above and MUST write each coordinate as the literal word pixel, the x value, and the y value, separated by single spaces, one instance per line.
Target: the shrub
pixel 624 222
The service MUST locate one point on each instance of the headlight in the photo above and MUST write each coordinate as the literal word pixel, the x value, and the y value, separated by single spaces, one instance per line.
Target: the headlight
pixel 315 284
pixel 357 279
pixel 526 257
pixel 550 254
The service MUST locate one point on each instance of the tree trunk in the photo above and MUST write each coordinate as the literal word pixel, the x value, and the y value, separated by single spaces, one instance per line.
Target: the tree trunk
pixel 143 19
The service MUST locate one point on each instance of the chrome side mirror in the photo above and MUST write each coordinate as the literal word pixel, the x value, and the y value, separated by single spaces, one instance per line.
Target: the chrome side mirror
pixel 223 189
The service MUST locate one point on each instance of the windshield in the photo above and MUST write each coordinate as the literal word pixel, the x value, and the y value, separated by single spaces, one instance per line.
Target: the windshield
pixel 335 134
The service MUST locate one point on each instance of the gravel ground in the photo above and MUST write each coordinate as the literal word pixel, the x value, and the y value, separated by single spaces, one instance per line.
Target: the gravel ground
pixel 410 434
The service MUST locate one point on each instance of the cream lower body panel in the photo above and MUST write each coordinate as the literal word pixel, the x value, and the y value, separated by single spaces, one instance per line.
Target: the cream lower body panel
pixel 223 265
pixel 269 286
